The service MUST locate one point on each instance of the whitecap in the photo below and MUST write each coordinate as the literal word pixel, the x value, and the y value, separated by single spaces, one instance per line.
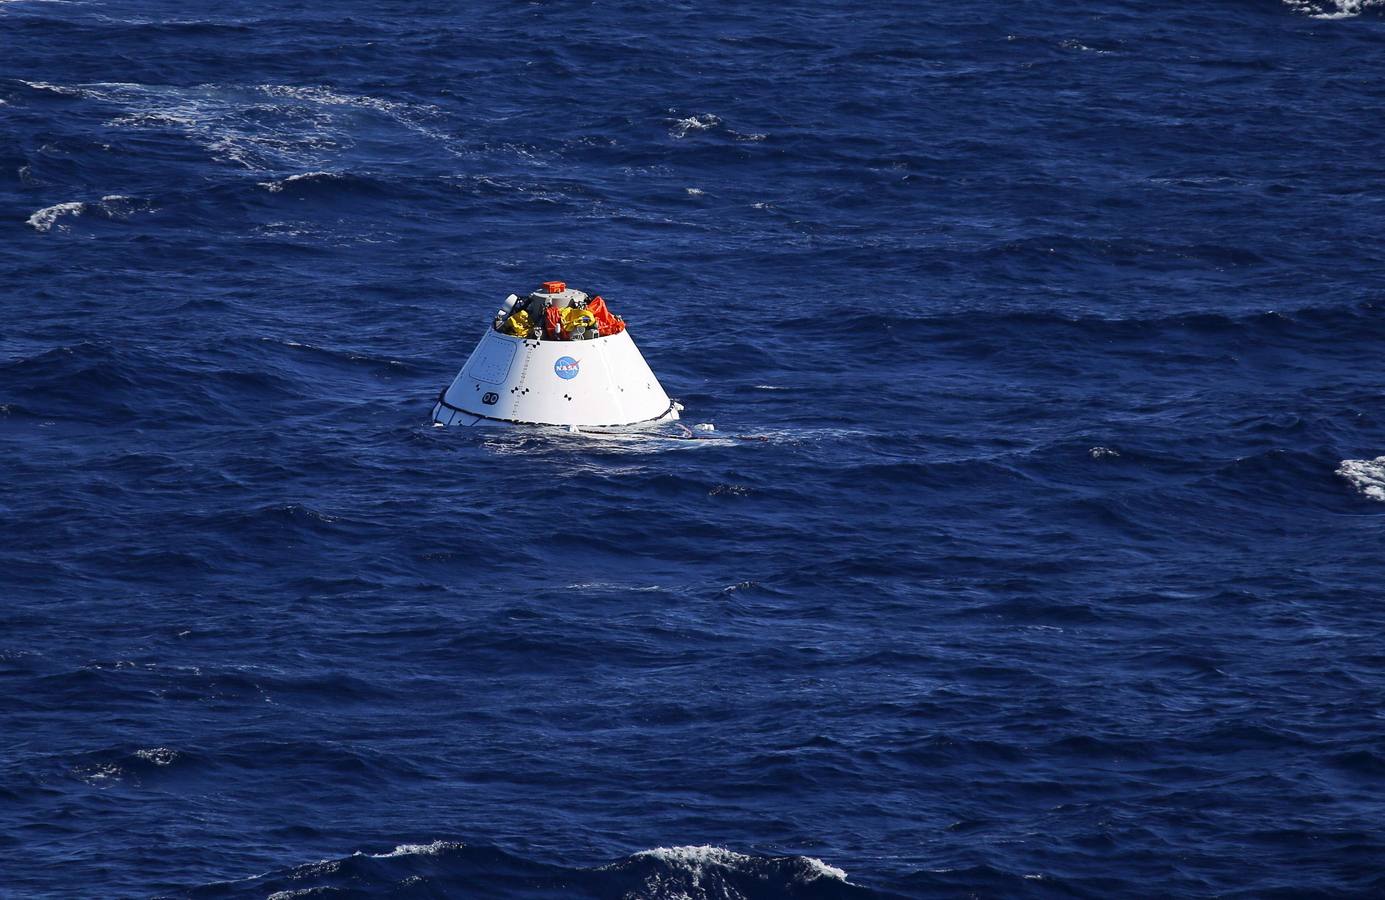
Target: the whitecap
pixel 152 120
pixel 44 219
pixel 275 187
pixel 51 88
pixel 698 122
pixel 263 128
pixel 326 97
pixel 432 849
pixel 159 756
pixel 321 867
pixel 1366 475
pixel 696 859
pixel 1332 9
pixel 1103 453
pixel 111 206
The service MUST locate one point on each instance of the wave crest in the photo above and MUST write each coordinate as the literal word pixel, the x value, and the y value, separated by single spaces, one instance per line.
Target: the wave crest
pixel 275 187
pixel 448 868
pixel 44 219
pixel 705 864
pixel 112 206
pixel 1366 475
pixel 1333 9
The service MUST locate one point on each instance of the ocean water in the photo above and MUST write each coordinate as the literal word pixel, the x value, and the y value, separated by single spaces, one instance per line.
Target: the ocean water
pixel 1036 552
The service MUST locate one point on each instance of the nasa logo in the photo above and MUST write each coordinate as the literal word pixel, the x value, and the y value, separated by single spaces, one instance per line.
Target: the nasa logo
pixel 566 367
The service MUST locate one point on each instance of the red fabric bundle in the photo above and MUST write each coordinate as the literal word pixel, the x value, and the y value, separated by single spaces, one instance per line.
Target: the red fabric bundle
pixel 605 322
pixel 553 324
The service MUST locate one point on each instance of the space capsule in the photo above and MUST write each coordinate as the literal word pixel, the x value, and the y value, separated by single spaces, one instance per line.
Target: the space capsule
pixel 556 357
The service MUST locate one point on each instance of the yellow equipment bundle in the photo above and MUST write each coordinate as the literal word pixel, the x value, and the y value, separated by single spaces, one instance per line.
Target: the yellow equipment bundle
pixel 518 325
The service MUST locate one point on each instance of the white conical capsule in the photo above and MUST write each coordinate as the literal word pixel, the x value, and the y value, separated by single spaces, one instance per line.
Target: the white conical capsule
pixel 600 382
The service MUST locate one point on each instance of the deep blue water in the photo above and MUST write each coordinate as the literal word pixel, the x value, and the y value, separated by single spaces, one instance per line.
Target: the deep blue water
pixel 1052 325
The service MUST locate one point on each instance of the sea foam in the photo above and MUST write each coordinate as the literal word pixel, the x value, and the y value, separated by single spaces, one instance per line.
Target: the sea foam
pixel 698 860
pixel 1332 9
pixel 275 187
pixel 432 849
pixel 111 206
pixel 1366 475
pixel 44 219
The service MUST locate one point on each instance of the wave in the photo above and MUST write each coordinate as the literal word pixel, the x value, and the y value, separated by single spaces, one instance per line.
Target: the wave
pixel 112 206
pixel 332 183
pixel 327 97
pixel 1367 476
pixel 44 219
pixel 259 128
pixel 275 187
pixel 680 126
pixel 450 868
pixel 699 122
pixel 714 872
pixel 1333 9
pixel 107 767
pixel 703 859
